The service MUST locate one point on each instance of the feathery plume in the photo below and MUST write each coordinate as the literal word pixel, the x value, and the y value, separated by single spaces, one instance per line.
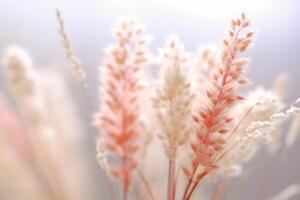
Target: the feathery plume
pixel 119 115
pixel 173 98
pixel 78 71
pixel 213 117
pixel 23 84
pixel 173 104
pixel 18 68
pixel 259 105
pixel 255 135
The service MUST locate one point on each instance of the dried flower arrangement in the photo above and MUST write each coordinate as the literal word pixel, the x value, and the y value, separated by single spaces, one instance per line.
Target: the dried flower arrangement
pixel 207 129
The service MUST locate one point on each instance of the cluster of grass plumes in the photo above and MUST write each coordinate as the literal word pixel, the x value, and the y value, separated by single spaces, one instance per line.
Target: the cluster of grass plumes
pixel 194 116
pixel 201 114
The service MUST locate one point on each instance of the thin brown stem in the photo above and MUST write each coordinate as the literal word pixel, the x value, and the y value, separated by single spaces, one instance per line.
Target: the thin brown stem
pixel 194 186
pixel 176 180
pixel 242 119
pixel 192 191
pixel 235 129
pixel 190 182
pixel 186 189
pixel 171 180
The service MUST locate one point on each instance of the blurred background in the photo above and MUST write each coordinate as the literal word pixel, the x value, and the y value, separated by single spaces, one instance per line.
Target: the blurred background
pixel 32 25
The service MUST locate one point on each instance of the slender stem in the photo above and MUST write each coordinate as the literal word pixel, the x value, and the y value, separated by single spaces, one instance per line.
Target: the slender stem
pixel 171 180
pixel 192 190
pixel 190 182
pixel 187 189
pixel 176 181
pixel 195 185
pixel 234 130
pixel 242 119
